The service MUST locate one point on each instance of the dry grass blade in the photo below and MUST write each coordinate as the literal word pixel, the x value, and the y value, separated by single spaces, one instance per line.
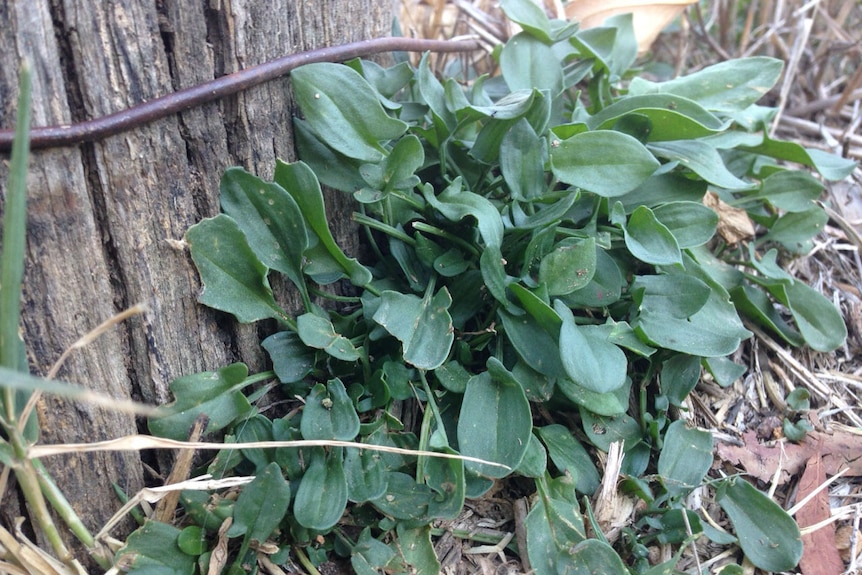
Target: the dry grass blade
pixel 28 558
pixel 140 442
pixel 157 494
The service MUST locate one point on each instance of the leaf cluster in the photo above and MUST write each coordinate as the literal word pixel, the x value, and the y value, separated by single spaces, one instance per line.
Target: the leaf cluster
pixel 544 279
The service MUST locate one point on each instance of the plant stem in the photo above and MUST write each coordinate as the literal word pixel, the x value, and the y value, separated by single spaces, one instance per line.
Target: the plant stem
pixel 423 227
pixel 306 562
pixel 29 481
pixel 369 222
pixel 61 505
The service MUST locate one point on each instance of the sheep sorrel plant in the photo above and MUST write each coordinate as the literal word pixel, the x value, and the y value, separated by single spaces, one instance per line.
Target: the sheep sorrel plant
pixel 546 284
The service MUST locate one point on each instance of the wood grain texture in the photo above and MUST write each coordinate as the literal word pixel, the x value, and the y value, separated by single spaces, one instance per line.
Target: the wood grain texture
pixel 101 216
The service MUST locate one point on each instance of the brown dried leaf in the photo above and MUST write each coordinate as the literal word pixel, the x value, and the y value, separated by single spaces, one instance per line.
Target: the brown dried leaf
pixel 734 224
pixel 820 556
pixel 838 450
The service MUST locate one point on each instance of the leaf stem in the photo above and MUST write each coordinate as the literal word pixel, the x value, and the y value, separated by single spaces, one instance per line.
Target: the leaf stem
pixel 433 230
pixel 306 562
pixel 369 222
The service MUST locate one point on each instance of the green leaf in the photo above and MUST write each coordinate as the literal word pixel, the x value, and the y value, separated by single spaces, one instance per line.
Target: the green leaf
pixel 495 422
pixel 234 279
pixel 589 359
pixel 608 404
pixel 530 17
pixel 322 494
pixel 370 556
pixel 536 346
pixel 433 93
pixel 301 183
pixel 768 536
pixel 553 525
pixel 603 430
pixel 833 168
pixel 446 477
pixel 768 265
pixel 570 267
pixel 404 498
pixel 725 87
pixel 715 330
pixel 522 160
pixel 255 429
pixel 820 323
pixel 291 359
pixel 606 163
pixel 670 117
pixel 799 399
pixel 677 295
pixel 192 540
pixel 269 218
pixel 397 170
pixel 691 223
pixel 679 375
pixel 343 109
pixel 218 394
pixel 318 332
pixel 605 287
pixel 754 303
pixel 455 203
pixel 153 549
pixel 452 376
pixel 724 370
pixel 790 190
pixel 702 159
pixel 594 556
pixel 527 63
pixel 649 240
pixel 614 45
pixel 535 461
pixel 335 170
pixel 685 457
pixel 795 229
pixel 568 454
pixel 414 544
pixel 329 413
pixel 494 274
pixel 423 326
pixel 261 505
pixel 536 307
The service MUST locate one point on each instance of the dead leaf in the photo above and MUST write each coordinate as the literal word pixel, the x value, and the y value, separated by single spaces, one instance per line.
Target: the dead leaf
pixel 844 541
pixel 734 225
pixel 838 450
pixel 820 556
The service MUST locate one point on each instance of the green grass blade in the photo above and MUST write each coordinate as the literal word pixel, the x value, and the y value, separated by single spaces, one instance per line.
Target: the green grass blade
pixel 14 231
